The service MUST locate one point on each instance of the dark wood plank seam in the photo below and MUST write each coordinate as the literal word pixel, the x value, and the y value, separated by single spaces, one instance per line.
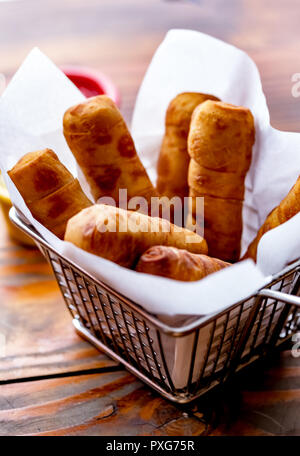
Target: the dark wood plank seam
pixel 100 370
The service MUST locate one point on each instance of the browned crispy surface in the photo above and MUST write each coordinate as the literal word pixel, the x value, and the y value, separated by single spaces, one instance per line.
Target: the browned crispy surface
pixel 122 236
pixel 288 207
pixel 103 147
pixel 220 146
pixel 49 189
pixel 37 174
pixel 178 264
pixel 173 162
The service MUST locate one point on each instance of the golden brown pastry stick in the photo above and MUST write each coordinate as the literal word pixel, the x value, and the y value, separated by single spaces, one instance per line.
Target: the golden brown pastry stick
pixel 178 264
pixel 220 146
pixel 173 162
pixel 288 207
pixel 39 173
pixel 122 236
pixel 48 189
pixel 102 145
pixel 54 210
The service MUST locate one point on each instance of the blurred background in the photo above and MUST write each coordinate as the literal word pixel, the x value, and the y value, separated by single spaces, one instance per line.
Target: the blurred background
pixel 119 38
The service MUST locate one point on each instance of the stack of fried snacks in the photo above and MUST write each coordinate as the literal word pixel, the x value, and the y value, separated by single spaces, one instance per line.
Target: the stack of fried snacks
pixel 206 152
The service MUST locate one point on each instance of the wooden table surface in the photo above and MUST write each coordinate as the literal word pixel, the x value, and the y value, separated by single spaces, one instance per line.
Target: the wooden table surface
pixel 54 383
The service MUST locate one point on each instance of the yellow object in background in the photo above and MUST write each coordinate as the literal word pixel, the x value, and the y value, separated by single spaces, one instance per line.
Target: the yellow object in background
pixel 13 231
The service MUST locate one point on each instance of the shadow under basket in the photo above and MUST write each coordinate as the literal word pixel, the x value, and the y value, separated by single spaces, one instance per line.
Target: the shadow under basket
pixel 181 363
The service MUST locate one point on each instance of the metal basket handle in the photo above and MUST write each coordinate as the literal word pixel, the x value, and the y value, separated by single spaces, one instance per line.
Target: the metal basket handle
pixel 289 300
pixel 278 295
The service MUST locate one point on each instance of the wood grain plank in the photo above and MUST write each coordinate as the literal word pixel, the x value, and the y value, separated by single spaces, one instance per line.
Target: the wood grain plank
pixel 101 404
pixel 264 400
pixel 40 339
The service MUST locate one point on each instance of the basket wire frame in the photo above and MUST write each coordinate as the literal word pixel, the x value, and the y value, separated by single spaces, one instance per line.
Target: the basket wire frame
pixel 214 347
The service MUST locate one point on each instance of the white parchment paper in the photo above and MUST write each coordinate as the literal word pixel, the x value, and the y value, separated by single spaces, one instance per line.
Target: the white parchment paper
pixel 31 111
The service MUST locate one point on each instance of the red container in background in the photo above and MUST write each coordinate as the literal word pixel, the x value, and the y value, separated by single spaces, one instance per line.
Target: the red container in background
pixel 92 82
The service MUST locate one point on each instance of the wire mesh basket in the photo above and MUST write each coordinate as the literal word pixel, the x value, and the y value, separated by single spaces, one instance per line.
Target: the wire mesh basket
pixel 183 362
